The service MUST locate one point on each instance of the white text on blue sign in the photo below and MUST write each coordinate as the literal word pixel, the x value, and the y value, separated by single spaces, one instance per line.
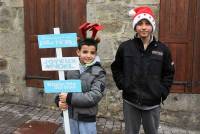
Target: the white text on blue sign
pixel 64 63
pixel 57 40
pixel 62 86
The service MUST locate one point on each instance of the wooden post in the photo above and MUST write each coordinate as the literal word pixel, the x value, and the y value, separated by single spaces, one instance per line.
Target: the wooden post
pixel 62 77
pixel 60 63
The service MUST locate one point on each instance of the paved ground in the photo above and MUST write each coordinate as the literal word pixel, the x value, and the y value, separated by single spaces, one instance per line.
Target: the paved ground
pixel 34 120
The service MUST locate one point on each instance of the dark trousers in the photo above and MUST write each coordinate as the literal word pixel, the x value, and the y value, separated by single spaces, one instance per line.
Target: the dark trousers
pixel 134 117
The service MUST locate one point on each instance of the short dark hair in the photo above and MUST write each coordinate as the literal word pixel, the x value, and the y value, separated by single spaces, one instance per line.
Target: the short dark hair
pixel 88 42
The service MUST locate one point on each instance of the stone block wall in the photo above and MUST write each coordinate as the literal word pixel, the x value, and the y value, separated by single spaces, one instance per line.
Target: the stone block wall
pixel 179 109
pixel 113 15
pixel 12 57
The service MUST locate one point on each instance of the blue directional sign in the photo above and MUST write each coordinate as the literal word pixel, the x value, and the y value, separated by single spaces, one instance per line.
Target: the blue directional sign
pixel 57 40
pixel 64 63
pixel 62 86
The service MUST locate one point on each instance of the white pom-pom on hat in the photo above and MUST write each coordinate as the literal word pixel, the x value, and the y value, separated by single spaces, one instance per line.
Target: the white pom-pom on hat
pixel 131 13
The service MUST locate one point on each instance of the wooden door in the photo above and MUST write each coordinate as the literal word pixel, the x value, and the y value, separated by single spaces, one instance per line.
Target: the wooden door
pixel 69 15
pixel 41 16
pixel 177 25
pixel 196 59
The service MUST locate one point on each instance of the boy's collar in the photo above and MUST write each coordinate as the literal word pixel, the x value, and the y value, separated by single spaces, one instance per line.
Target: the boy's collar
pixel 152 38
pixel 97 59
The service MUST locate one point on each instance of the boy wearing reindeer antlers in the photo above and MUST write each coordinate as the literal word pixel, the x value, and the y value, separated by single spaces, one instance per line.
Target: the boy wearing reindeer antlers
pixel 83 106
pixel 143 70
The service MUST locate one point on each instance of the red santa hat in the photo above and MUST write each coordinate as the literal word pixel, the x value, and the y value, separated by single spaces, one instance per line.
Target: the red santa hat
pixel 140 13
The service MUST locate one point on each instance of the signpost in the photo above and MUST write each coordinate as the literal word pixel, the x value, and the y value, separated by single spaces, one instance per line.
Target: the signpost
pixel 60 63
pixel 66 63
pixel 62 86
pixel 57 40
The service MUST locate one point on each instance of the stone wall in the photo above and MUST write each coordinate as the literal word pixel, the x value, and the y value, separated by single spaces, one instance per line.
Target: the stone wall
pixel 113 15
pixel 179 109
pixel 12 56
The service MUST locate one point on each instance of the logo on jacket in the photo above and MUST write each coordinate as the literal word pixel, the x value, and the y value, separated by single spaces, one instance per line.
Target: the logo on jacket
pixel 157 53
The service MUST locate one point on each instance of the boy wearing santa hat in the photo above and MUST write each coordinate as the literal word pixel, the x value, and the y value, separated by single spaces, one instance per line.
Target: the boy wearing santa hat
pixel 144 71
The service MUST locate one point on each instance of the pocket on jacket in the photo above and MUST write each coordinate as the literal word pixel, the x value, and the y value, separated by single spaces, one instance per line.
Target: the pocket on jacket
pixel 155 67
pixel 154 87
pixel 129 58
pixel 129 67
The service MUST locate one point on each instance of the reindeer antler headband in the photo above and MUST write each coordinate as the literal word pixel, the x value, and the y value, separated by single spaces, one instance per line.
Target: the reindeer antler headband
pixel 91 27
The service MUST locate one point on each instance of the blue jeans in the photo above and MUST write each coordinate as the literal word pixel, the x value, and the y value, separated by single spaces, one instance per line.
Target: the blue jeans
pixel 79 127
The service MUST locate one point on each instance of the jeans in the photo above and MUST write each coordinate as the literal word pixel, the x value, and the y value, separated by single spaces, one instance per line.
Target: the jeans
pixel 79 127
pixel 134 117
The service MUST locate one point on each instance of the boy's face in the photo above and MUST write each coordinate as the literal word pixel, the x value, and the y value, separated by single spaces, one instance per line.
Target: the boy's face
pixel 86 54
pixel 144 28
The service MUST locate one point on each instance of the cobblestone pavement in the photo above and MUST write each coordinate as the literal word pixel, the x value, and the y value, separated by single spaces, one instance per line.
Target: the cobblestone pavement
pixel 13 116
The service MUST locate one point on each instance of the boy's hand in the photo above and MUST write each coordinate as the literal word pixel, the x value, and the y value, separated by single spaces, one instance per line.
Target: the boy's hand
pixel 62 105
pixel 63 97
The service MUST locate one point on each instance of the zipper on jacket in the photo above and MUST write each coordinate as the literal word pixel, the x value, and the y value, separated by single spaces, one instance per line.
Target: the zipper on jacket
pixel 144 54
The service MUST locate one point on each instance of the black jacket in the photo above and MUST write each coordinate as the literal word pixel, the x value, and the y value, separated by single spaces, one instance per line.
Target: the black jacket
pixel 145 76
